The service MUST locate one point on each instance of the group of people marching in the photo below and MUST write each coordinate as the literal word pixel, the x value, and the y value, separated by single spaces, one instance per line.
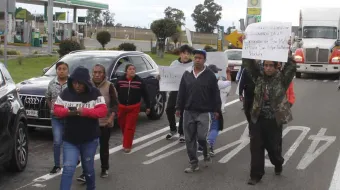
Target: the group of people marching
pixel 83 109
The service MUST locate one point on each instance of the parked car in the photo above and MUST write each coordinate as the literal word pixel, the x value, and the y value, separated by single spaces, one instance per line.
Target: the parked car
pixel 234 61
pixel 13 125
pixel 32 91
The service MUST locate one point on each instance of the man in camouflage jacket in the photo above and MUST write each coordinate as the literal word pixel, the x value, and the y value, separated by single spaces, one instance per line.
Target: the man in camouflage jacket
pixel 269 112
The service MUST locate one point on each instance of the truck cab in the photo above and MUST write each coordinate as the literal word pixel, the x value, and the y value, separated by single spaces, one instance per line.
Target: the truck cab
pixel 318 38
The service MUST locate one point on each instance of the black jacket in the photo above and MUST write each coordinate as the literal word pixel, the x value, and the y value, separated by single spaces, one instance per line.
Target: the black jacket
pixel 131 92
pixel 201 94
pixel 247 85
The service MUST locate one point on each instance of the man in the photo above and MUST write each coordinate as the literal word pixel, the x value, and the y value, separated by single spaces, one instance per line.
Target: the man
pixel 246 93
pixel 183 62
pixel 108 91
pixel 198 88
pixel 269 112
pixel 81 105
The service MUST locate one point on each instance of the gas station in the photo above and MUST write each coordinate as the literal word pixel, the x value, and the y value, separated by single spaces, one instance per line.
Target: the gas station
pixel 23 30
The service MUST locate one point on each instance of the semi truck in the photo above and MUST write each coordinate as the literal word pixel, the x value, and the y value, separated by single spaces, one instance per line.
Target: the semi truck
pixel 318 41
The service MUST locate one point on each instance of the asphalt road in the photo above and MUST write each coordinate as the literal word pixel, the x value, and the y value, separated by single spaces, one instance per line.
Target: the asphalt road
pixel 310 147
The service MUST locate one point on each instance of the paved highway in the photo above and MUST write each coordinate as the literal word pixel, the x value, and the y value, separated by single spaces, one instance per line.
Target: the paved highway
pixel 310 147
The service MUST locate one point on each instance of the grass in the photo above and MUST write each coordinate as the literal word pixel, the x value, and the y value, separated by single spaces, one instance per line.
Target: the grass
pixel 32 67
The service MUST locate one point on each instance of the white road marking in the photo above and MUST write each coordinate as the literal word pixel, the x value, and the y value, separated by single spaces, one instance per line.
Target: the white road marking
pixel 162 156
pixel 325 81
pixel 296 144
pixel 111 151
pixel 336 81
pixel 162 149
pixel 312 153
pixel 39 185
pixel 335 183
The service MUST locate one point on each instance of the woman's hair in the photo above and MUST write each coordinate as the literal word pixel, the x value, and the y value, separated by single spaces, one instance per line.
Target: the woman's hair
pixel 102 67
pixel 127 66
pixel 60 63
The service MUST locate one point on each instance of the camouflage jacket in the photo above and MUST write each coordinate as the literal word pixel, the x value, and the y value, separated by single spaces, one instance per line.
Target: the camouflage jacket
pixel 277 86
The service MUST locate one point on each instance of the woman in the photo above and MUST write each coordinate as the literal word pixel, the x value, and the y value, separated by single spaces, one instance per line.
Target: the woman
pixel 130 89
pixel 55 87
pixel 81 105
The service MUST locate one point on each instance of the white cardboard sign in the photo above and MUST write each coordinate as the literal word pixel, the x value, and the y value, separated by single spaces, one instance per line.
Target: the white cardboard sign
pixel 219 59
pixel 170 78
pixel 267 41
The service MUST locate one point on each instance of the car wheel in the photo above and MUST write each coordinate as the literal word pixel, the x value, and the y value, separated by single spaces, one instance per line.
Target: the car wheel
pixel 298 75
pixel 20 153
pixel 157 110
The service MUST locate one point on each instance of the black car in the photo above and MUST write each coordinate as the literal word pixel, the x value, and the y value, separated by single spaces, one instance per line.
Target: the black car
pixel 32 91
pixel 13 125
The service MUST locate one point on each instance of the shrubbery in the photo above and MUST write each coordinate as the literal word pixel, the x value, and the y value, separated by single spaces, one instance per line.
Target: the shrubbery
pixel 67 46
pixel 127 47
pixel 103 37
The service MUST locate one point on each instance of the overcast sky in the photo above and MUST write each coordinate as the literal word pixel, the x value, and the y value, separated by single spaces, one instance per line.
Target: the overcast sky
pixel 143 12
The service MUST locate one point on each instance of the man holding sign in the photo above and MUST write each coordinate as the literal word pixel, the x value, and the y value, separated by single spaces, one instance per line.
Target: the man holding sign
pixel 270 109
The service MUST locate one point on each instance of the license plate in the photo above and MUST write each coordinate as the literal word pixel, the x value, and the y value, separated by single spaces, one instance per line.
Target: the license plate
pixel 32 113
pixel 316 69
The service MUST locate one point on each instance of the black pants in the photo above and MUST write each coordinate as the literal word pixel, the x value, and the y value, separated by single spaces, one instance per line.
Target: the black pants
pixel 170 112
pixel 265 134
pixel 104 146
pixel 247 105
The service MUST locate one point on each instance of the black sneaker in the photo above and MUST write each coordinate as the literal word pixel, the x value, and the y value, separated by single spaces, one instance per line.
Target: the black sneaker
pixel 170 135
pixel 253 181
pixel 104 173
pixel 211 151
pixel 200 149
pixel 192 169
pixel 278 170
pixel 81 178
pixel 181 139
pixel 78 162
pixel 55 170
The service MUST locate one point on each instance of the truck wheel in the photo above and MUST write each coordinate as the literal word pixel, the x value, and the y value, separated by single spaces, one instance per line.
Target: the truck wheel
pixel 20 149
pixel 298 75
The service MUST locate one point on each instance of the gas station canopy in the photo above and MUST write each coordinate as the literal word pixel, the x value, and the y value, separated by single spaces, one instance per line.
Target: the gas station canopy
pixel 79 4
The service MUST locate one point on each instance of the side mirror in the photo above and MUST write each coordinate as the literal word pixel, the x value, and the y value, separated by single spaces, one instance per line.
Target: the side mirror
pixel 45 69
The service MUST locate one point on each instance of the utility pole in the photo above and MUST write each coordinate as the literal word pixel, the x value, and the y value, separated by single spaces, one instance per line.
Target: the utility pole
pixel 6 32
pixel 50 25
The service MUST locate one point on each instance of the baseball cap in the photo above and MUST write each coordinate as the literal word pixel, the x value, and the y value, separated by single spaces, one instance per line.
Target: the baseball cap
pixel 200 51
pixel 214 68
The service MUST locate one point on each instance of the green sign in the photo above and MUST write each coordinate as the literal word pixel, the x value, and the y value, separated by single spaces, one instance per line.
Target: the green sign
pixel 21 14
pixel 258 18
pixel 60 15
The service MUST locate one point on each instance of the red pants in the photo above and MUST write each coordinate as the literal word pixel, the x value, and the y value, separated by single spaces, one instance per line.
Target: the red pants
pixel 127 120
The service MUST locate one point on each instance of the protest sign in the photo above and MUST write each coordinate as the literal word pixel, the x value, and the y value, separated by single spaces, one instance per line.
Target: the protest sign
pixel 267 41
pixel 170 78
pixel 219 59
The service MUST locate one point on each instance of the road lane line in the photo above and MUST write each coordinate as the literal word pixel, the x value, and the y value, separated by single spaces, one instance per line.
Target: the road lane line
pixel 149 143
pixel 111 151
pixel 183 147
pixel 335 183
pixel 162 149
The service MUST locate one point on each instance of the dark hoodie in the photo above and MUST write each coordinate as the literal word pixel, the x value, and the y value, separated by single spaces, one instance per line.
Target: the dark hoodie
pixel 85 127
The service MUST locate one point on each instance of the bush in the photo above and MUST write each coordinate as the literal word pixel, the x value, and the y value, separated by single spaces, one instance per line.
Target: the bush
pixel 127 47
pixel 10 52
pixel 208 48
pixel 67 46
pixel 114 48
pixel 174 51
pixel 103 37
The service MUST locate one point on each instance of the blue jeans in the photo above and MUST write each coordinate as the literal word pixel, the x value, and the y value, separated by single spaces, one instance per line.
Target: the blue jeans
pixel 87 152
pixel 214 128
pixel 57 130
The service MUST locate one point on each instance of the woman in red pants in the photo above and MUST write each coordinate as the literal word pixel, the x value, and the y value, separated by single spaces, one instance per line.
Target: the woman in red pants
pixel 130 89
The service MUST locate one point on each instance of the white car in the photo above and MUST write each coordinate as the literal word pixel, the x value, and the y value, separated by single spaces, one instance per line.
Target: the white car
pixel 234 61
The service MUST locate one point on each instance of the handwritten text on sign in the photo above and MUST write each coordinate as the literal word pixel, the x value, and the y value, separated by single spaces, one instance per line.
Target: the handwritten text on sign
pixel 170 78
pixel 267 41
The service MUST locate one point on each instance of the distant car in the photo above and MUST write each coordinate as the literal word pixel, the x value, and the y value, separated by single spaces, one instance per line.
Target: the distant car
pixel 234 61
pixel 13 125
pixel 32 91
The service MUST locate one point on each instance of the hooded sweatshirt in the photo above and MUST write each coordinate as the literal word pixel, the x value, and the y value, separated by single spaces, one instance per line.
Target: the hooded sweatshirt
pixel 184 66
pixel 85 127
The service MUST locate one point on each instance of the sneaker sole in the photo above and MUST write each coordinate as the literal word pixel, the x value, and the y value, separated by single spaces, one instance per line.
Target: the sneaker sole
pixel 193 171
pixel 81 180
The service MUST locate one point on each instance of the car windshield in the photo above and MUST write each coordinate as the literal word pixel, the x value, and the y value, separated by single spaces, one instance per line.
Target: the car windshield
pixel 87 61
pixel 320 32
pixel 234 55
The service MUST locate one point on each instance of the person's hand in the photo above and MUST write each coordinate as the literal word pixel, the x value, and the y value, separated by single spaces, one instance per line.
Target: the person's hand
pixel 216 115
pixel 110 120
pixel 241 98
pixel 80 111
pixel 228 70
pixel 72 113
pixel 147 111
pixel 178 113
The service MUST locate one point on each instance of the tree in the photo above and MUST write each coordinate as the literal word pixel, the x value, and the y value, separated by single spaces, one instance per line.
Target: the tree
pixel 229 29
pixel 119 25
pixel 93 17
pixel 163 28
pixel 103 37
pixel 207 16
pixel 108 18
pixel 177 36
pixel 175 14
